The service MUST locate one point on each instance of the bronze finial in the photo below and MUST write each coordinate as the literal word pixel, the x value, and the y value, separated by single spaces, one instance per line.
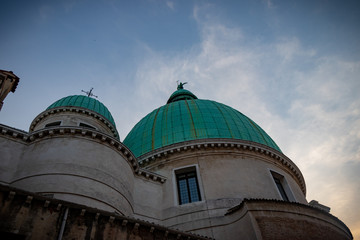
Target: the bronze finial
pixel 181 85
pixel 89 93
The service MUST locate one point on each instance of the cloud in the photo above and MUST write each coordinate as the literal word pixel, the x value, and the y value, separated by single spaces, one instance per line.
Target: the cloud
pixel 269 3
pixel 170 5
pixel 44 12
pixel 288 49
pixel 326 139
pixel 69 5
pixel 308 103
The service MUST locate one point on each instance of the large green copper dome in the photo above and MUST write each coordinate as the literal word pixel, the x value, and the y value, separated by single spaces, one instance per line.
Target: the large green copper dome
pixel 186 118
pixel 84 102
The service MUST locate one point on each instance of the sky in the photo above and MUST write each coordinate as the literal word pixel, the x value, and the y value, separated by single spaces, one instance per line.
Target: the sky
pixel 291 66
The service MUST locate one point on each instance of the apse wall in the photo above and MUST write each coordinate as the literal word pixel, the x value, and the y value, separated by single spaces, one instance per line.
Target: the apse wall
pixel 79 169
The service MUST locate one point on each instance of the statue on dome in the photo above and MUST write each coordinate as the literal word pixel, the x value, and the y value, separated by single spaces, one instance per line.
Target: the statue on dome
pixel 181 85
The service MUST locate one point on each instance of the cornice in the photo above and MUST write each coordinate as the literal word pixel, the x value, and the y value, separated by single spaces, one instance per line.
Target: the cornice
pixel 73 109
pixel 233 144
pixel 94 135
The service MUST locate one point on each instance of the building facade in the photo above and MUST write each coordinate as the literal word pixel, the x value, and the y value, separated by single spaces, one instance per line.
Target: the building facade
pixel 8 83
pixel 191 169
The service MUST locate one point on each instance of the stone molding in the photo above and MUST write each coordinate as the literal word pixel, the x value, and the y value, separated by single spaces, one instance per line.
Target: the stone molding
pixel 94 135
pixel 74 109
pixel 218 143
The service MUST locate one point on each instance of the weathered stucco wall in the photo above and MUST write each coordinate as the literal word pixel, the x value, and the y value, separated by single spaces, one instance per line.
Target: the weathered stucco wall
pixel 77 169
pixel 225 179
pixel 148 200
pixel 11 152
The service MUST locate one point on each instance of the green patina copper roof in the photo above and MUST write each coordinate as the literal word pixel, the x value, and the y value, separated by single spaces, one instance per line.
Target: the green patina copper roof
pixel 191 119
pixel 84 102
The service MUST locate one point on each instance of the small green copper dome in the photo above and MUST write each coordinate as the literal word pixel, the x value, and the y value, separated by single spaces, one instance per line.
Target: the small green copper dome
pixel 191 119
pixel 181 94
pixel 84 102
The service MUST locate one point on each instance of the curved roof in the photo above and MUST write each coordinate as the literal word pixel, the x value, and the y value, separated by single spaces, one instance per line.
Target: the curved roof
pixel 191 119
pixel 84 102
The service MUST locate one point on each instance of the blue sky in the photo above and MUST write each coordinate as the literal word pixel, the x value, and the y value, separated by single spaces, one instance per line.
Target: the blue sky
pixel 291 66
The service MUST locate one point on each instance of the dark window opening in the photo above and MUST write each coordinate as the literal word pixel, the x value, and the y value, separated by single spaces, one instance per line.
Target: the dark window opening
pixel 188 187
pixel 86 126
pixel 53 124
pixel 281 189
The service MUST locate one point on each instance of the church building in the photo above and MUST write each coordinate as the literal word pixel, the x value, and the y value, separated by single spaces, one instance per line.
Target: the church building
pixel 190 169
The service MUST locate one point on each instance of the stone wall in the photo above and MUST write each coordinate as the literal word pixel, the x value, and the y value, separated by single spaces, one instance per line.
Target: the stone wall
pixel 279 220
pixel 24 215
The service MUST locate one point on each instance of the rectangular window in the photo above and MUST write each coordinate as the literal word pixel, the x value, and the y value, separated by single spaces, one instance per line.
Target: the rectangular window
pixel 188 186
pixel 282 187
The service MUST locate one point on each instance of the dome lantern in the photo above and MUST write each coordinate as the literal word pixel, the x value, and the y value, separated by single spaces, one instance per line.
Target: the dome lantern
pixel 181 94
pixel 78 111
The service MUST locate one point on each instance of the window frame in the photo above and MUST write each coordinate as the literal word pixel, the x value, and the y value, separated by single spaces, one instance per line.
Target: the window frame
pixel 187 170
pixel 282 186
